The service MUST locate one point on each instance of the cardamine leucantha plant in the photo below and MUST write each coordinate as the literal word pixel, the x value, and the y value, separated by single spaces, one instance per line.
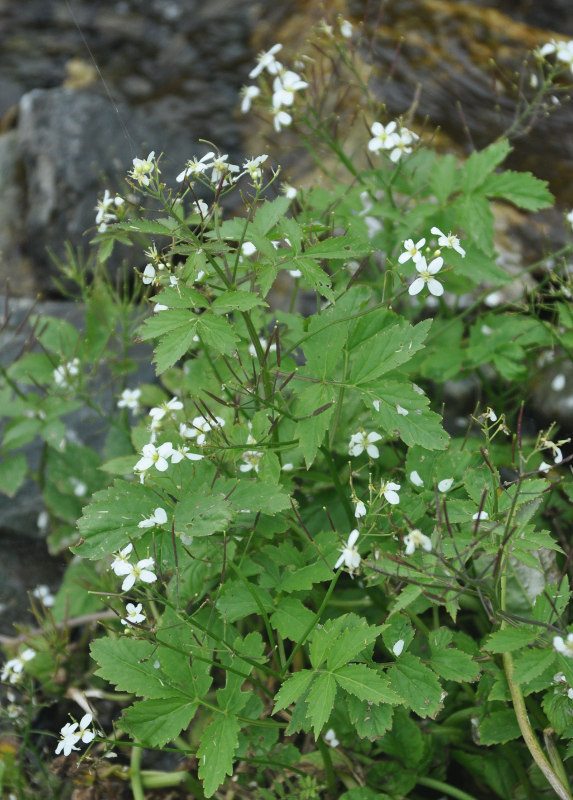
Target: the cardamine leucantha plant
pixel 309 582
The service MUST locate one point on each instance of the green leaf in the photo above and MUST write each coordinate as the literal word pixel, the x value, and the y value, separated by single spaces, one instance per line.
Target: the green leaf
pixel 476 218
pixel 292 689
pixel 258 496
pixel 444 177
pixel 202 514
pixel 509 639
pixel 156 722
pixel 176 329
pixel 386 350
pixel 129 665
pixel 351 642
pixel 236 301
pixel 520 188
pixel 531 663
pixel 315 275
pixel 113 517
pixel 12 473
pixel 419 426
pixel 268 214
pixel 498 727
pixel 216 752
pixel 416 685
pixel 239 599
pixel 292 619
pixel 479 165
pixel 371 721
pixel 154 227
pixel 316 405
pixel 217 333
pixel 452 664
pixel 320 701
pixel 405 741
pixel 366 684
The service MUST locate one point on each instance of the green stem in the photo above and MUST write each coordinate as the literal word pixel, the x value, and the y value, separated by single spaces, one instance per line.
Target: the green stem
pixel 328 768
pixel 159 780
pixel 135 774
pixel 312 626
pixel 440 786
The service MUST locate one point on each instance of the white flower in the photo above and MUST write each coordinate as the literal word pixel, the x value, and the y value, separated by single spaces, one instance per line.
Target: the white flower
pixel 390 491
pixel 445 485
pixel 196 167
pixel 564 646
pixel 289 191
pixel 403 144
pixel 449 241
pixel 248 248
pixel 364 441
pixel 480 515
pixel 398 647
pixel 360 509
pixel 330 738
pixel 251 459
pixel 350 556
pixel 385 138
pixel 133 615
pixel 544 467
pixel 569 218
pixel 284 87
pixel 248 93
pixel 142 167
pixel 417 539
pixel 281 119
pixel 345 28
pixel 120 565
pixel 154 456
pixel 201 208
pixel 426 276
pixel 415 479
pixel 139 571
pixel 558 383
pixel 13 669
pixel 266 60
pixel 252 167
pixel 159 517
pixel 148 275
pixel 222 170
pixel 200 427
pixel 129 398
pixel 64 372
pixel 83 733
pixel 43 594
pixel 159 412
pixel 555 448
pixel 68 739
pixel 182 452
pixel 412 251
pixel 490 414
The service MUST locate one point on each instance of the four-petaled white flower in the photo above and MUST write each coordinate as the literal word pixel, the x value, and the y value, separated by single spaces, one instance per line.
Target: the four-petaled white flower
pixel 555 448
pixel 154 457
pixel 181 452
pixel 140 571
pixel 248 249
pixel 248 94
pixel 13 669
pixel 148 275
pixel 364 441
pixel 449 241
pixel 403 144
pixel 196 167
pixel 284 87
pixel 426 276
pixel 290 192
pixel 445 485
pixel 417 539
pixel 222 170
pixel 350 556
pixel 564 646
pixel 142 168
pixel 415 478
pixel 390 491
pixel 411 251
pixel 129 398
pixel 251 459
pixel 159 517
pixel 120 564
pixel 159 412
pixel 266 60
pixel 384 137
pixel 253 168
pixel 133 615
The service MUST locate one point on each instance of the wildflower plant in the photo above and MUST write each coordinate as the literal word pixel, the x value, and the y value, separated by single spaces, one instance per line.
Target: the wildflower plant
pixel 283 540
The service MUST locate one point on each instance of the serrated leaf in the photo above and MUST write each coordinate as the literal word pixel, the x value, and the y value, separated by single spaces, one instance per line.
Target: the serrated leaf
pixel 236 301
pixel 259 496
pixel 292 619
pixel 216 752
pixel 217 333
pixel 386 350
pixel 520 188
pixel 509 639
pixel 113 517
pixel 129 665
pixel 339 247
pixel 444 177
pixel 292 689
pixel 419 426
pixel 156 722
pixel 320 701
pixel 370 721
pixel 201 515
pixel 149 226
pixel 416 684
pixel 268 214
pixel 366 684
pixel 173 319
pixel 237 600
pixel 454 665
pixel 12 473
pixel 480 164
pixel 315 405
pixel 531 663
pixel 498 727
pixel 350 643
pixel 317 277
pixel 476 218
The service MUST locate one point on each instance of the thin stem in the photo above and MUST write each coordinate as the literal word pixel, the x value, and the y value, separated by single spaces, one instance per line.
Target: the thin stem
pixel 135 774
pixel 440 786
pixel 327 764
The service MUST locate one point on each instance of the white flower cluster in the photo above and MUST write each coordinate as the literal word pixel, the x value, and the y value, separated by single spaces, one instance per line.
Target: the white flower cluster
pixel 398 140
pixel 562 50
pixel 426 272
pixel 71 734
pixel 132 572
pixel 223 173
pixel 105 215
pixel 285 83
pixel 64 372
pixel 13 669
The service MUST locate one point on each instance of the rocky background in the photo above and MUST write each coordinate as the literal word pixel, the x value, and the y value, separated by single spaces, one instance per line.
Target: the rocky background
pixel 86 85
